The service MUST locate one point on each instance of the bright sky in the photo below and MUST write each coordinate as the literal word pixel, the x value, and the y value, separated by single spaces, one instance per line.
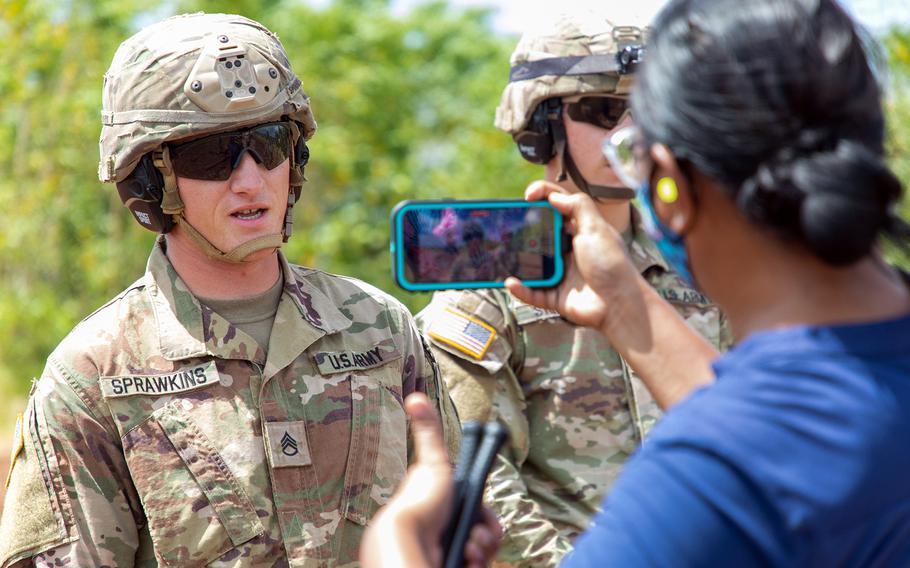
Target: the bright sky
pixel 515 16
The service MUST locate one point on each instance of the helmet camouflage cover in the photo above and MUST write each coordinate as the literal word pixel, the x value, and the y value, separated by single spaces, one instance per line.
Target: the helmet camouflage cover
pixel 191 75
pixel 569 36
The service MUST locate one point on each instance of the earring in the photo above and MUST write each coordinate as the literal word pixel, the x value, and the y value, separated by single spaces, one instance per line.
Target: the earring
pixel 667 190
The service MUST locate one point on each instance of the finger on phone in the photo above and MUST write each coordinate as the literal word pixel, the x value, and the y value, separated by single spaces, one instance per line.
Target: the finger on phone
pixel 540 189
pixel 540 297
pixel 580 211
pixel 517 289
pixel 491 522
pixel 567 204
pixel 481 548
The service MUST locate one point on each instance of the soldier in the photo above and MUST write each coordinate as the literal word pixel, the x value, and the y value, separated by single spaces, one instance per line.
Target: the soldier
pixel 574 408
pixel 228 408
pixel 473 261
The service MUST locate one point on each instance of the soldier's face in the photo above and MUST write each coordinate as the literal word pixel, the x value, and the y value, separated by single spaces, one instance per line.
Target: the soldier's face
pixel 585 142
pixel 249 204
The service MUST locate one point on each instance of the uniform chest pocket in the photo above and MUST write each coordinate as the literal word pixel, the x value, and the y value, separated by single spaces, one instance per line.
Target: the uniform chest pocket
pixel 378 458
pixel 364 389
pixel 349 454
pixel 196 508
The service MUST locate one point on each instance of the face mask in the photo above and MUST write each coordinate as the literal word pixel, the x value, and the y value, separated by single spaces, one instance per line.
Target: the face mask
pixel 670 244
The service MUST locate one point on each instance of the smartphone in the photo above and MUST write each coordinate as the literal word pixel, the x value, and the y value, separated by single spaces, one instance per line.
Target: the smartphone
pixel 450 244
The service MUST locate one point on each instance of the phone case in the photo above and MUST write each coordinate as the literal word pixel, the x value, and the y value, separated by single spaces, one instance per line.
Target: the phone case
pixel 561 243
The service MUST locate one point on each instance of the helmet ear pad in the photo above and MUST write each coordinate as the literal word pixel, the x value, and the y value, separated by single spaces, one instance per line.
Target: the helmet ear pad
pixel 301 158
pixel 536 143
pixel 301 152
pixel 142 192
pixel 535 147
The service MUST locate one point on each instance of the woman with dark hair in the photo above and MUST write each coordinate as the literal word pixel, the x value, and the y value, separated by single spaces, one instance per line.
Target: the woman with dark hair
pixel 758 154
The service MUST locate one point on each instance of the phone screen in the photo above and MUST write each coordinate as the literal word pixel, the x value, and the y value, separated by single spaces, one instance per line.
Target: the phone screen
pixel 473 244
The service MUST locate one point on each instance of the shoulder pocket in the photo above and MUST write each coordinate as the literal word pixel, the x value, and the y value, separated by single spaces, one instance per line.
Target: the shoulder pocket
pixel 37 515
pixel 196 509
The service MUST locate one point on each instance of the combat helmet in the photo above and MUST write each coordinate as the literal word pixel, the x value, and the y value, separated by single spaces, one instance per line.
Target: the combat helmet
pixel 576 55
pixel 185 77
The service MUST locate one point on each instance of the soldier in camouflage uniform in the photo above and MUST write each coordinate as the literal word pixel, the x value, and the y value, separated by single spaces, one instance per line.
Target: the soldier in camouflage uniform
pixel 574 408
pixel 228 408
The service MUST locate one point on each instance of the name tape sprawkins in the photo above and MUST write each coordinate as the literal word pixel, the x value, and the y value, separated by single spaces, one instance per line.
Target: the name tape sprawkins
pixel 181 380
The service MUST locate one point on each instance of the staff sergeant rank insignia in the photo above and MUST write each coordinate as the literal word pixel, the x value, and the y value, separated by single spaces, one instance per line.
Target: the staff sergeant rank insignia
pixel 181 380
pixel 289 445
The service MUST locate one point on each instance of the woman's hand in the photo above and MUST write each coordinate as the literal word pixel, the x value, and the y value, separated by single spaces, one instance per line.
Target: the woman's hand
pixel 407 531
pixel 596 269
pixel 602 289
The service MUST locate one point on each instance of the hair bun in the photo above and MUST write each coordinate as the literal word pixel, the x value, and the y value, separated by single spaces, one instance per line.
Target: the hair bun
pixel 848 194
pixel 769 197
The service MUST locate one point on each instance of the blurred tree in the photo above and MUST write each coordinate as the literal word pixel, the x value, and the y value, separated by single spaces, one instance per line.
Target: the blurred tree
pixel 65 244
pixel 897 108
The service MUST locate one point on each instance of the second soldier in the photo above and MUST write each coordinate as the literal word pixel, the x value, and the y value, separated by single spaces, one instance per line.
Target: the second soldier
pixel 574 408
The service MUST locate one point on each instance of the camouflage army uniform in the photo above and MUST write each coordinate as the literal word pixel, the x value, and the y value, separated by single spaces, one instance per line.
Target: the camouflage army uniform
pixel 160 434
pixel 574 409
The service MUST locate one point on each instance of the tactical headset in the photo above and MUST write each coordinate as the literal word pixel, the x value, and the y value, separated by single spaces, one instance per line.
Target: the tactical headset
pixel 545 131
pixel 143 190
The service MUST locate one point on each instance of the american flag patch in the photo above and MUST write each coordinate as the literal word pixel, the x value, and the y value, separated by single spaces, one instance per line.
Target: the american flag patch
pixel 462 332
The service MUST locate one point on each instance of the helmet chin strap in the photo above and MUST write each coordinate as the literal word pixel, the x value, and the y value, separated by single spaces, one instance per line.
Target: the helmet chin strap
pixel 595 191
pixel 238 254
pixel 567 164
pixel 171 204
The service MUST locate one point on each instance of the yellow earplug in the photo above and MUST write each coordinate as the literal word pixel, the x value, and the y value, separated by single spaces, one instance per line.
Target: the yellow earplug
pixel 667 190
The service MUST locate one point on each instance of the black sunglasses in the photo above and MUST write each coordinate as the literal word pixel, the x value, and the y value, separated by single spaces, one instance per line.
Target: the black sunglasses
pixel 604 112
pixel 214 157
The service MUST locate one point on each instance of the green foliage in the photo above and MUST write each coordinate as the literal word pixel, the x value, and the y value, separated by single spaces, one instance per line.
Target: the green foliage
pixel 897 108
pixel 897 46
pixel 405 109
pixel 65 246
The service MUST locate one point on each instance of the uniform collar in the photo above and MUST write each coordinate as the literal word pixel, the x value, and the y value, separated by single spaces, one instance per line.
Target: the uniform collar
pixel 642 250
pixel 188 329
pixel 305 314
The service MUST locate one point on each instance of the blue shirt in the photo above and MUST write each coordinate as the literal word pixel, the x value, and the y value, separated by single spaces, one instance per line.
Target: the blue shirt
pixel 799 455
